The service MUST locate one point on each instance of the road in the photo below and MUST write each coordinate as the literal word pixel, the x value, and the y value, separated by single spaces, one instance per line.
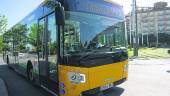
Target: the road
pixel 146 78
pixel 17 85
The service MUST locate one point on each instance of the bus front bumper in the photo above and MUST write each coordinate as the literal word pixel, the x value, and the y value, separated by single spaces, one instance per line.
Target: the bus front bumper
pixel 94 91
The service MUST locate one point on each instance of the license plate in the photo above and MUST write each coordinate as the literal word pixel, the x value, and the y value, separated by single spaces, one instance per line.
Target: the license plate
pixel 106 87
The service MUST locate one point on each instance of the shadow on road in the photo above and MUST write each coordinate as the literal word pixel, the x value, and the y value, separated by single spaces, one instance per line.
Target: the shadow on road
pixel 168 71
pixel 116 91
pixel 19 86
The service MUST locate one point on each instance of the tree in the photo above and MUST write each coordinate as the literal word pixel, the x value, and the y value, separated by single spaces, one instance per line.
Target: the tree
pixel 33 35
pixel 36 32
pixel 19 32
pixel 3 24
pixel 7 40
pixel 1 43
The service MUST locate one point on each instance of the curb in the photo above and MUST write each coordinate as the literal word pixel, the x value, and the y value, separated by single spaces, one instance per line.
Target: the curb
pixel 3 89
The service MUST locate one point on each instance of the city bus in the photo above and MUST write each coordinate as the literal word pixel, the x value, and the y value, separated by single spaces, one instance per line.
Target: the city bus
pixel 70 47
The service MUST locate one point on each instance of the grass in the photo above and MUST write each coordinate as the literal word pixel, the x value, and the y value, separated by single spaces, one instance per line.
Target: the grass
pixel 130 53
pixel 151 53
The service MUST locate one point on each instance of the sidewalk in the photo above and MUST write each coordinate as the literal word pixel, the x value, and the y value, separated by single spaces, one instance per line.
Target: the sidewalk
pixel 3 89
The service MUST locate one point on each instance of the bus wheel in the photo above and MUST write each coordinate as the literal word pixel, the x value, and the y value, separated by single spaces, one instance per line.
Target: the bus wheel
pixel 7 62
pixel 94 94
pixel 7 59
pixel 30 74
pixel 99 94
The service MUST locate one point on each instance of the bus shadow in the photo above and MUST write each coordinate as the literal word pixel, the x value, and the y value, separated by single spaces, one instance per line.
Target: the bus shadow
pixel 3 67
pixel 116 91
pixel 168 71
pixel 4 70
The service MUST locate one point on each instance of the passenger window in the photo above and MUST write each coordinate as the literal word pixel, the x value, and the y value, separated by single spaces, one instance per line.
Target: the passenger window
pixel 52 46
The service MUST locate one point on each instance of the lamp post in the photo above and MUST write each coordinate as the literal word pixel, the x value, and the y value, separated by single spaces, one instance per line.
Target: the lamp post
pixel 135 28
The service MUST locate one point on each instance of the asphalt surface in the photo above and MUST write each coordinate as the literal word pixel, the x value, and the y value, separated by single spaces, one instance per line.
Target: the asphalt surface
pixel 3 89
pixel 18 85
pixel 149 77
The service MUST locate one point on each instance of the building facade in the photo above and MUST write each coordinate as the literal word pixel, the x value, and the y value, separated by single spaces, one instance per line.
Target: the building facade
pixel 153 23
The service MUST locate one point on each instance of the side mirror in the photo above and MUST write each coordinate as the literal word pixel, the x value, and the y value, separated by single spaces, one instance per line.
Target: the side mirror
pixel 60 15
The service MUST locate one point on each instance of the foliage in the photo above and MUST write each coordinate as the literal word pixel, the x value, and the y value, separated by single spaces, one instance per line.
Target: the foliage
pixel 20 36
pixel 3 24
pixel 1 43
pixel 33 35
pixel 17 36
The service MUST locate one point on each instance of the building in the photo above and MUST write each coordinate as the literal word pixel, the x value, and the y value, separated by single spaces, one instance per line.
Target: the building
pixel 152 22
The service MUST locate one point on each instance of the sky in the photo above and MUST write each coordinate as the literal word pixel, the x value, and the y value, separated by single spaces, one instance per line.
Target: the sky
pixel 15 10
pixel 140 3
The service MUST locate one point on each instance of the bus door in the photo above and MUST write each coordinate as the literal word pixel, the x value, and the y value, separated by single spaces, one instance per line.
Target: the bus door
pixel 48 53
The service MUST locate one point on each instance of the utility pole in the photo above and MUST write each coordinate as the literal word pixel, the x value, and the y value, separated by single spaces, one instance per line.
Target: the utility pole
pixel 142 39
pixel 157 40
pixel 147 39
pixel 130 36
pixel 135 28
pixel 131 30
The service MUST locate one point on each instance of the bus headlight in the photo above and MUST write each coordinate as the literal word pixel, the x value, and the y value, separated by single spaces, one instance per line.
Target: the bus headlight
pixel 76 77
pixel 126 67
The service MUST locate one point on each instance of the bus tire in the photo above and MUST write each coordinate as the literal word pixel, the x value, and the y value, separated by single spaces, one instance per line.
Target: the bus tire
pixel 30 73
pixel 7 62
pixel 99 94
pixel 7 59
pixel 94 94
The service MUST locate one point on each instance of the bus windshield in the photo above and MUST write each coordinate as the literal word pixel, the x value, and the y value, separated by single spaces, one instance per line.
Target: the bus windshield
pixel 90 32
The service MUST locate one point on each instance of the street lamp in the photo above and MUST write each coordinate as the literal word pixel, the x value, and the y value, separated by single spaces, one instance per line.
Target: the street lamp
pixel 135 28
